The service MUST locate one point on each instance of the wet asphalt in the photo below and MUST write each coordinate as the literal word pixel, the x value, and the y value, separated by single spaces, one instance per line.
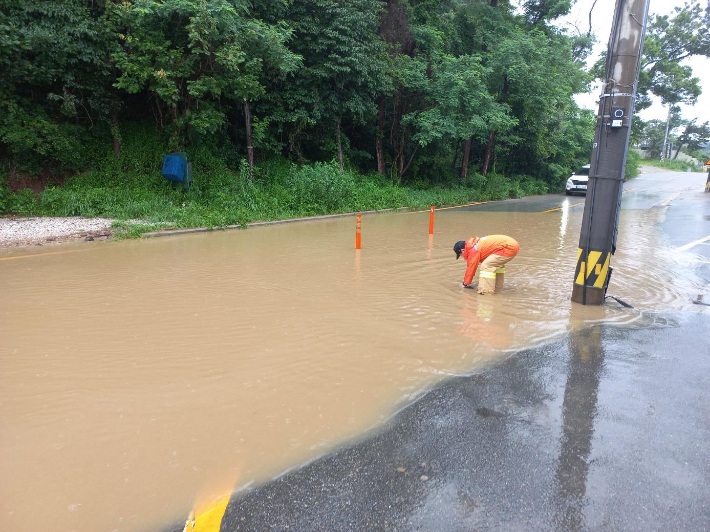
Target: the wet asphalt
pixel 605 429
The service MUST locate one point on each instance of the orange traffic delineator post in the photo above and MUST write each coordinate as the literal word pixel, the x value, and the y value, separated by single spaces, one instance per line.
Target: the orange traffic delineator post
pixel 431 220
pixel 358 229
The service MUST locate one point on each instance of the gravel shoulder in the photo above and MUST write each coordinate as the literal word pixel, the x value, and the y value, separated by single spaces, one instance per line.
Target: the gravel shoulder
pixel 25 232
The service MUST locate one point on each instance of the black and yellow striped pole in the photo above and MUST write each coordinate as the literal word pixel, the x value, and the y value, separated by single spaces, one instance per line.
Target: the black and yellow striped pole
pixel 597 239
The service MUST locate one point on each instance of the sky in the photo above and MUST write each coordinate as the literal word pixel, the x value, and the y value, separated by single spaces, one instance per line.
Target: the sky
pixel 601 27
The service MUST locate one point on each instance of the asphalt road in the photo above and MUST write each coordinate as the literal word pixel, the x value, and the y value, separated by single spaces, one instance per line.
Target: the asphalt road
pixel 647 191
pixel 606 429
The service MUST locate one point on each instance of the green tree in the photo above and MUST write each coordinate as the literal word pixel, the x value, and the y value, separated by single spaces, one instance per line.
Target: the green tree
pixel 55 79
pixel 652 133
pixel 426 88
pixel 693 137
pixel 538 11
pixel 195 58
pixel 462 108
pixel 344 68
pixel 669 40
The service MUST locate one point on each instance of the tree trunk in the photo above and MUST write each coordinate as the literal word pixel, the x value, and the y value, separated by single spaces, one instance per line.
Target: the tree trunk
pixel 455 157
pixel 115 131
pixel 247 122
pixel 411 158
pixel 380 134
pixel 464 162
pixel 400 162
pixel 680 145
pixel 489 152
pixel 665 138
pixel 340 145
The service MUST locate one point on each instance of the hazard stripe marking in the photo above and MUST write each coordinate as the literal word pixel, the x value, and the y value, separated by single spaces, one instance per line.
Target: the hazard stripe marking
pixel 597 269
pixel 593 259
pixel 580 277
pixel 601 279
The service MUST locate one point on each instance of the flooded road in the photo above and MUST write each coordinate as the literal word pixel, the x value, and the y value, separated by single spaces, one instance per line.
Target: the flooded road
pixel 139 377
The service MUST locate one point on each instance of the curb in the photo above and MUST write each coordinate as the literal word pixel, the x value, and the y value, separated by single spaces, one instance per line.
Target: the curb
pixel 174 232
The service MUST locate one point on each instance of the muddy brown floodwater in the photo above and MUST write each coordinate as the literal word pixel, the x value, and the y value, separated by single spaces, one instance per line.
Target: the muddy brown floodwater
pixel 140 376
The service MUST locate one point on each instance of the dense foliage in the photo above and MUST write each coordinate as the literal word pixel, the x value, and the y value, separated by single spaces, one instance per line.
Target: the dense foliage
pixel 669 40
pixel 452 94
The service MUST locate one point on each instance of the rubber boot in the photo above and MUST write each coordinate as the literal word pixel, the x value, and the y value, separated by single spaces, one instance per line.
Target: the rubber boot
pixel 500 279
pixel 486 283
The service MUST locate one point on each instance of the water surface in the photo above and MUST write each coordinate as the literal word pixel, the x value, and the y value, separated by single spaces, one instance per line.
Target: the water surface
pixel 140 376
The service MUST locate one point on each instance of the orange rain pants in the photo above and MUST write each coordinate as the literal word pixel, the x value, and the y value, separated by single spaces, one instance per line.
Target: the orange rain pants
pixel 492 253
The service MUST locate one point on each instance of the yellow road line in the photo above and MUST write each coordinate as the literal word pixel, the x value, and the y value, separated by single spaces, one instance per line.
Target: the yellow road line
pixel 674 196
pixel 208 517
pixel 42 254
pixel 452 207
pixel 693 244
pixel 578 204
pixel 562 207
pixel 459 206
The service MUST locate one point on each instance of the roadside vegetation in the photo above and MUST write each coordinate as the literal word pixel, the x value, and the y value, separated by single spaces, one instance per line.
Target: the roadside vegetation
pixel 633 165
pixel 129 188
pixel 670 164
pixel 291 108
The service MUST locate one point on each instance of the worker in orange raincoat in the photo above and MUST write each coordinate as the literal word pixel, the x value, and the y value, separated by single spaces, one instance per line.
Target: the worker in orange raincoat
pixel 492 252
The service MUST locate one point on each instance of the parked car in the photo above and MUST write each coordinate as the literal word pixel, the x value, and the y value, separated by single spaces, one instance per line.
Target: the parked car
pixel 577 183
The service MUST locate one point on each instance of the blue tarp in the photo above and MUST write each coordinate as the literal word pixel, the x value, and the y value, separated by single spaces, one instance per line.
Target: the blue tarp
pixel 174 166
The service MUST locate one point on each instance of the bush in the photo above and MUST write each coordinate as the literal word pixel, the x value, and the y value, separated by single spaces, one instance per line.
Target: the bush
pixel 4 195
pixel 633 162
pixel 23 203
pixel 321 187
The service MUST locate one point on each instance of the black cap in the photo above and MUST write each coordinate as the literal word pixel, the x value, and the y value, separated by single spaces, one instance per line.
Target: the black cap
pixel 458 248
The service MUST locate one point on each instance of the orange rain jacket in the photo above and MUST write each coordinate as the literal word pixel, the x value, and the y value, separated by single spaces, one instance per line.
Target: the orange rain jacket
pixel 479 249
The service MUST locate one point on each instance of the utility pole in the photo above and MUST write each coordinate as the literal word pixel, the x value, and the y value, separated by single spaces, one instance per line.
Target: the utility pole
pixel 597 239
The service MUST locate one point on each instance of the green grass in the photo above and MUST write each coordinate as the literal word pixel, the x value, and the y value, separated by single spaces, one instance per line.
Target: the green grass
pixel 276 191
pixel 678 166
pixel 132 190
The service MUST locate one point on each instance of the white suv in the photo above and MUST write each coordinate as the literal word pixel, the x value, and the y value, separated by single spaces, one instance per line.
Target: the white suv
pixel 578 181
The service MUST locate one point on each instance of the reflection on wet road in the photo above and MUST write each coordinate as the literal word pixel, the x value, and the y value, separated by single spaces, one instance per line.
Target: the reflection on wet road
pixel 579 407
pixel 142 377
